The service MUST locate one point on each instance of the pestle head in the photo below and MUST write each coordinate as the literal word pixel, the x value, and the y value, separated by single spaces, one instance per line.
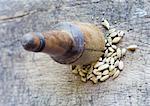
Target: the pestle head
pixel 30 42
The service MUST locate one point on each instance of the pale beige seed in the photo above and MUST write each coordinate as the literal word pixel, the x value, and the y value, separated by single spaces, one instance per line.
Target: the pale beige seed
pixel 107 44
pixel 90 70
pixel 81 74
pixel 84 71
pixel 121 33
pixel 100 59
pixel 111 49
pixel 121 65
pixel 103 67
pixel 95 71
pixel 106 52
pixel 114 54
pixel 104 78
pixel 112 61
pixel 83 79
pixel 98 64
pixel 105 72
pixel 75 71
pixel 111 67
pixel 107 34
pixel 78 67
pixel 109 54
pixel 108 60
pixel 119 53
pixel 105 24
pixel 109 40
pixel 116 63
pixel 94 79
pixel 115 57
pixel 116 74
pixel 114 47
pixel 111 73
pixel 98 73
pixel 123 51
pixel 104 60
pixel 113 34
pixel 89 76
pixel 132 47
pixel 112 30
pixel 105 41
pixel 116 40
pixel 99 77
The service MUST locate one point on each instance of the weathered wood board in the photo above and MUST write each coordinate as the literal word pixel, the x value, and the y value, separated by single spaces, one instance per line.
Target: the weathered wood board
pixel 28 79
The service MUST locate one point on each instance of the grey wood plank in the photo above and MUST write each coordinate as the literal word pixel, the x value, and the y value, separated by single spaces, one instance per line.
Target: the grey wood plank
pixel 29 79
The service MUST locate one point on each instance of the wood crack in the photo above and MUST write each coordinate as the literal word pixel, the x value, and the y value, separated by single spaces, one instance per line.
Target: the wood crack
pixel 14 17
pixel 85 3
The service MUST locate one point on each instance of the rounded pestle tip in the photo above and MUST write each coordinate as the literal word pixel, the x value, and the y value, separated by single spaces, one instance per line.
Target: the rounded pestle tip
pixel 28 42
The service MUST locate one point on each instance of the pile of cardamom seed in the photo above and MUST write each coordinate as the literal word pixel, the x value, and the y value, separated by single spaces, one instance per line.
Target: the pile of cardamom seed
pixel 110 64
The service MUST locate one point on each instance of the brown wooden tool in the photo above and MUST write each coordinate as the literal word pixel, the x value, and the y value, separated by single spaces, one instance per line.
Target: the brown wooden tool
pixel 68 42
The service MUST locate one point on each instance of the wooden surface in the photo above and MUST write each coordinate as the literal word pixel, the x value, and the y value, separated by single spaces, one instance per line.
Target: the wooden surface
pixel 28 79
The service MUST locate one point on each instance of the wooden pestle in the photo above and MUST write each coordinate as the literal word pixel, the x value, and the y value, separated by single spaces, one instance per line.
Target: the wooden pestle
pixel 68 43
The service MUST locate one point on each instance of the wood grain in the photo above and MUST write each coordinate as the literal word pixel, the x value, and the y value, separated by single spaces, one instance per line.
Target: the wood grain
pixel 28 79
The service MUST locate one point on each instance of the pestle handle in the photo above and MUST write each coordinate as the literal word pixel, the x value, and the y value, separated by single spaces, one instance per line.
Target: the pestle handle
pixel 54 43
